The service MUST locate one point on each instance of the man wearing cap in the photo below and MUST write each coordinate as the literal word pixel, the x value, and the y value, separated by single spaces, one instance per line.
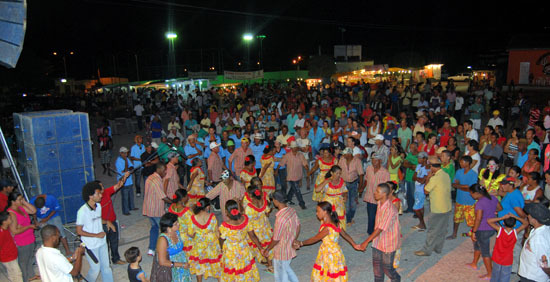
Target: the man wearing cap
pixel 135 155
pixel 438 187
pixel 257 148
pixel 171 181
pixel 374 175
pixel 294 161
pixel 123 164
pixel 237 158
pixel 192 151
pixel 227 189
pixel 512 200
pixel 536 250
pixel 352 173
pixel 215 165
pixel 495 120
pixel 381 150
pixel 6 187
pixel 285 231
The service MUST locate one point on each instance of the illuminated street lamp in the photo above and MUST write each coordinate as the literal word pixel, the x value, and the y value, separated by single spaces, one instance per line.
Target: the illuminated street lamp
pixel 261 37
pixel 64 59
pixel 171 36
pixel 248 37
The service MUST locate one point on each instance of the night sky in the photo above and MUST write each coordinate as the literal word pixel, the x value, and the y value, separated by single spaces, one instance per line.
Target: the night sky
pixel 103 31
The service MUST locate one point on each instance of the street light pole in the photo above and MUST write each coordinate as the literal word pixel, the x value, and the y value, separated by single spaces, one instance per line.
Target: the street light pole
pixel 247 37
pixel 261 37
pixel 171 53
pixel 137 66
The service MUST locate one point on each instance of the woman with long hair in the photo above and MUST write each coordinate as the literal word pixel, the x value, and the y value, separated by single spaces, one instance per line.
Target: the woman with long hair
pixel 267 174
pixel 195 188
pixel 482 232
pixel 179 208
pixel 490 177
pixel 330 264
pixel 169 248
pixel 532 164
pixel 531 190
pixel 335 192
pixel 257 210
pixel 323 164
pixel 23 233
pixel 205 257
pixel 238 260
pixel 511 148
pixel 248 171
pixel 515 172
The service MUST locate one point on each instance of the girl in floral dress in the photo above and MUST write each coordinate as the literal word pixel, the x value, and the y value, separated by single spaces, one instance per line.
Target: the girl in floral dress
pixel 205 257
pixel 323 164
pixel 195 188
pixel 170 249
pixel 238 261
pixel 254 181
pixel 330 264
pixel 335 192
pixel 248 171
pixel 267 175
pixel 257 210
pixel 178 207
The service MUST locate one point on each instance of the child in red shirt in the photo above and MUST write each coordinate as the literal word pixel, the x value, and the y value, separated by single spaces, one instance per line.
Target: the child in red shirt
pixel 503 252
pixel 8 250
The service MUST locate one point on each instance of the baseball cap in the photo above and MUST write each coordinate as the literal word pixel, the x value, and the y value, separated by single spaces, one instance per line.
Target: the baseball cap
pixel 123 150
pixel 379 137
pixel 496 112
pixel 539 212
pixel 230 143
pixel 213 145
pixel 508 180
pixel 422 155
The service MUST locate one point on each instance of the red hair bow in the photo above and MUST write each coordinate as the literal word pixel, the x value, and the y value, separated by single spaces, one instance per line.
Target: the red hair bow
pixel 234 211
pixel 394 182
pixel 257 192
pixel 267 146
pixel 247 159
pixel 174 196
pixel 333 208
pixel 199 204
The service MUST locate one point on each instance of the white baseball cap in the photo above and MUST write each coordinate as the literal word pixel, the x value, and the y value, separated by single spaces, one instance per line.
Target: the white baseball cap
pixel 379 137
pixel 123 150
pixel 213 145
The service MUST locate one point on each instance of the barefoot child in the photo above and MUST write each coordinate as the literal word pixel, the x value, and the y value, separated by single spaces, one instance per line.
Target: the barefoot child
pixel 482 232
pixel 133 257
pixel 503 252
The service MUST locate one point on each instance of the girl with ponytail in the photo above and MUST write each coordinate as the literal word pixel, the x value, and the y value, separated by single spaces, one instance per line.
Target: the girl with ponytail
pixel 482 232
pixel 330 260
pixel 179 207
pixel 335 192
pixel 248 171
pixel 254 181
pixel 257 210
pixel 237 259
pixel 205 257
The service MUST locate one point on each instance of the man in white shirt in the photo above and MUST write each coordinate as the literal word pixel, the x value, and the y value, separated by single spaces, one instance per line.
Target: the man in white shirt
pixel 52 264
pixel 471 133
pixel 139 114
pixel 89 226
pixel 536 250
pixel 304 145
pixel 300 122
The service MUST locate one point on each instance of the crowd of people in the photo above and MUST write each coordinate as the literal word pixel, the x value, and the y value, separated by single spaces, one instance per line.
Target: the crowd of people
pixel 481 157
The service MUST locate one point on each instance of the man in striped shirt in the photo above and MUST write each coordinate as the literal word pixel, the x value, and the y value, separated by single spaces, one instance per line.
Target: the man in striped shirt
pixel 386 238
pixel 153 203
pixel 374 175
pixel 228 189
pixel 287 229
pixel 352 173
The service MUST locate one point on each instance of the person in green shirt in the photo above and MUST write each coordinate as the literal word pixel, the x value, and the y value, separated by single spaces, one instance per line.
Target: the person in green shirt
pixel 339 110
pixel 475 111
pixel 411 160
pixel 447 165
pixel 163 149
pixel 404 133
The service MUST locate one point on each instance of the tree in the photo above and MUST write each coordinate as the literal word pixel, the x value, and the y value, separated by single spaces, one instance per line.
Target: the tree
pixel 321 66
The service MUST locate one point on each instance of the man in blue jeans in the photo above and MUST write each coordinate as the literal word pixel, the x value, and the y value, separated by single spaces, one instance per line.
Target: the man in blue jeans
pixel 352 173
pixel 385 238
pixel 294 161
pixel 280 176
pixel 411 160
pixel 90 229
pixel 124 164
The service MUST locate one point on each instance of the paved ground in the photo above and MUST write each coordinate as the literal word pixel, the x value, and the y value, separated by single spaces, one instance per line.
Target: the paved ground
pixel 448 266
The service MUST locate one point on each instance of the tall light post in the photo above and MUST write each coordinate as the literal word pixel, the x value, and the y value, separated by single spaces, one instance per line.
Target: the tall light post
pixel 261 37
pixel 64 59
pixel 171 36
pixel 247 37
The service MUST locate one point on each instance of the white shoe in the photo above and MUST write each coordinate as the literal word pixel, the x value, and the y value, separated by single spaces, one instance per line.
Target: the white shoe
pixel 151 253
pixel 138 194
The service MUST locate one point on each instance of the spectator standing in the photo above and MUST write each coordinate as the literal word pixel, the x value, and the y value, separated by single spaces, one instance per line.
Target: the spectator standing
pixel 105 145
pixel 135 155
pixel 123 164
pixel 352 173
pixel 89 228
pixel 439 189
pixel 153 203
pixel 6 187
pixel 8 249
pixel 475 111
pixel 294 161
pixel 237 158
pixel 138 109
pixel 156 129
pixel 536 249
pixel 148 164
pixel 410 162
pixel 464 206
pixel 374 175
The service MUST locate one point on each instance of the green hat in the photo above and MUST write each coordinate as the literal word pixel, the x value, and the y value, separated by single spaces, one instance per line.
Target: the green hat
pixel 230 143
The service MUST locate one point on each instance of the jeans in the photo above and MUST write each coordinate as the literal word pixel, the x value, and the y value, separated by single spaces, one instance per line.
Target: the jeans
pixel 371 212
pixel 295 189
pixel 351 205
pixel 127 199
pixel 436 233
pixel 112 240
pixel 14 271
pixel 153 232
pixel 410 195
pixel 283 271
pixel 501 273
pixel 382 263
pixel 137 180
pixel 281 179
pixel 139 122
pixel 25 258
pixel 102 255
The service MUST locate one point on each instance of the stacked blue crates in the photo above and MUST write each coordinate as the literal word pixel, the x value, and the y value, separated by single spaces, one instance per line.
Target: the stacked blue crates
pixel 55 156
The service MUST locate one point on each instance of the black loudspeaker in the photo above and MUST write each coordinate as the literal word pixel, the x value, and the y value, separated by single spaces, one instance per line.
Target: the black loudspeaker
pixel 13 23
